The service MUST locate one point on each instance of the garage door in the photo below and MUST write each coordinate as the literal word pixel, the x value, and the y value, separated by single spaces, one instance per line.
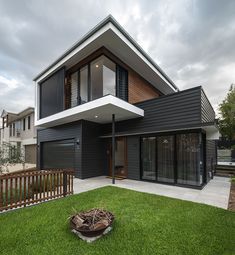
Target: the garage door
pixel 58 154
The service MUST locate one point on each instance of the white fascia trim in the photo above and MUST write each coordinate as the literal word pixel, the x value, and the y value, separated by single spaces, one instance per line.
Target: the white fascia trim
pixel 106 100
pixel 29 141
pixel 95 36
pixel 127 42
pixel 148 132
pixel 212 132
pixel 158 131
pixel 61 62
pixel 71 54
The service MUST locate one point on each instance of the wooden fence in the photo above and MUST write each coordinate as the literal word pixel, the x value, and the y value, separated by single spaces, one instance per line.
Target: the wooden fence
pixel 30 187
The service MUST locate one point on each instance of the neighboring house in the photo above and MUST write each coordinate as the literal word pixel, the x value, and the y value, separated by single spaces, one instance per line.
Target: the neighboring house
pixel 106 80
pixel 18 129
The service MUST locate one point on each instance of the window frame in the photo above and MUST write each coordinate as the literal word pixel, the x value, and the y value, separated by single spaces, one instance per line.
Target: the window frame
pixel 10 130
pixel 29 122
pixel 94 62
pixel 88 64
pixel 24 124
pixel 200 132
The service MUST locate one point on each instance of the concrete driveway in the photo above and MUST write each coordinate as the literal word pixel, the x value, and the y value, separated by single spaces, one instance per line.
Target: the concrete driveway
pixel 215 193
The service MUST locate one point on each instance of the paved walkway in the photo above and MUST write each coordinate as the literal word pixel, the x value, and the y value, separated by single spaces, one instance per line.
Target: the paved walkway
pixel 215 193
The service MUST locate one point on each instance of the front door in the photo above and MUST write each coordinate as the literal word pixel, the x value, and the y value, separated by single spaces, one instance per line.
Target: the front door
pixel 120 157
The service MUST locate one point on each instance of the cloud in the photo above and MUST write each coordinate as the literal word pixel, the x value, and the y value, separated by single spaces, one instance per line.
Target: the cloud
pixel 193 41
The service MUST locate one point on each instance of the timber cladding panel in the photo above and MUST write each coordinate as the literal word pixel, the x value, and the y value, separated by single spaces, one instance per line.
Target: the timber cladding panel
pixel 139 89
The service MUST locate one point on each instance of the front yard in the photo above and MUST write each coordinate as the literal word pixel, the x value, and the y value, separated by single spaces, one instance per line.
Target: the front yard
pixel 145 224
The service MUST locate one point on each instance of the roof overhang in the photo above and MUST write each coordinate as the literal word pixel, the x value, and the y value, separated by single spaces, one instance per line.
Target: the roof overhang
pixel 4 114
pixel 212 132
pixel 111 35
pixel 99 111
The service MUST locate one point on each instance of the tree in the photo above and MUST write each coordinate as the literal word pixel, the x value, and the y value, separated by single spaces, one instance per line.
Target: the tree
pixel 227 112
pixel 10 155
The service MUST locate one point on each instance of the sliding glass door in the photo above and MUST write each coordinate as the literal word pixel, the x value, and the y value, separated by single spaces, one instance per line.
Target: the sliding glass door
pixel 165 159
pixel 176 158
pixel 189 162
pixel 149 158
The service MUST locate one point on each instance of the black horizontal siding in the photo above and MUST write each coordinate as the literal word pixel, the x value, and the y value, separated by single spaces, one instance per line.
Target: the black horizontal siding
pixel 207 111
pixel 133 157
pixel 93 150
pixel 178 110
pixel 63 132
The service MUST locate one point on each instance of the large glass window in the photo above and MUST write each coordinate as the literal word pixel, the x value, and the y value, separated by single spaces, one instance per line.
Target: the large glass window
pixel 83 85
pixel 165 159
pixel 103 77
pixel 188 159
pixel 159 162
pixel 149 158
pixel 29 122
pixel 74 89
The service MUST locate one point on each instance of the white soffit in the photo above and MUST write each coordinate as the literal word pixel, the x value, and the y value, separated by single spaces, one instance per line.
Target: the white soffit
pixel 111 38
pixel 99 111
pixel 212 132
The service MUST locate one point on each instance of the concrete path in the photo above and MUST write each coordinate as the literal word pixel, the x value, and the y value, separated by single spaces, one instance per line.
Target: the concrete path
pixel 215 193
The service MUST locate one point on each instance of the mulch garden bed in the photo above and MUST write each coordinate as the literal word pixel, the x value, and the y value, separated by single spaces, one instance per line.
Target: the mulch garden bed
pixel 231 203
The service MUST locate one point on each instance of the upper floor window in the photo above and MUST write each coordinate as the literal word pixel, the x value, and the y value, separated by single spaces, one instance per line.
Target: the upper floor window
pixel 83 85
pixel 10 129
pixel 24 124
pixel 29 122
pixel 13 129
pixel 103 77
pixel 101 73
pixel 79 87
pixel 74 89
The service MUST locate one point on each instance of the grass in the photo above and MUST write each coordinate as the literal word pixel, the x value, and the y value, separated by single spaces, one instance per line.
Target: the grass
pixel 145 224
pixel 16 196
pixel 47 183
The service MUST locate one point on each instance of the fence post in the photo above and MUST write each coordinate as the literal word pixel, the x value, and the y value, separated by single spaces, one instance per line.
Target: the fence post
pixel 1 193
pixel 64 183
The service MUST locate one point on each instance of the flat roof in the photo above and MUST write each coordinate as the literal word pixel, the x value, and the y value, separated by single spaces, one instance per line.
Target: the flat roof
pixel 99 110
pixel 108 19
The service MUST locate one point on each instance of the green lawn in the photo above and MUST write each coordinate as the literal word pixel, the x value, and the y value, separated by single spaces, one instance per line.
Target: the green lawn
pixel 145 224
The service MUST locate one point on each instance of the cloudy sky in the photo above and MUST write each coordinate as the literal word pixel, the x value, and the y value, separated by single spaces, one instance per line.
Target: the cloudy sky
pixel 193 41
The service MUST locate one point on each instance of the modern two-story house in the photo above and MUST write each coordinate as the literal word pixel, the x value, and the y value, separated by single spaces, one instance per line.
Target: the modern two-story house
pixel 106 108
pixel 18 130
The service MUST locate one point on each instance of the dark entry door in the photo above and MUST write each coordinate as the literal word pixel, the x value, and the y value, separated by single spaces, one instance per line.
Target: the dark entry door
pixel 58 154
pixel 120 157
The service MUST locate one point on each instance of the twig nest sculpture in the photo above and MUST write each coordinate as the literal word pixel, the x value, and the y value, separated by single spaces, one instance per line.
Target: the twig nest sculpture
pixel 91 223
